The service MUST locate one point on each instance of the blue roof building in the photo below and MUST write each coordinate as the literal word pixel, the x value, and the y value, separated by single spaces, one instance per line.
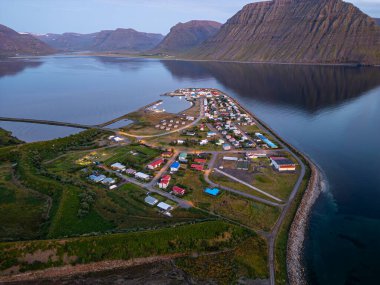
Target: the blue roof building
pixel 175 166
pixel 212 192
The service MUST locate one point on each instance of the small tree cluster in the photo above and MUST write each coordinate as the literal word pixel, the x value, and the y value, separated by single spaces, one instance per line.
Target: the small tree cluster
pixel 87 199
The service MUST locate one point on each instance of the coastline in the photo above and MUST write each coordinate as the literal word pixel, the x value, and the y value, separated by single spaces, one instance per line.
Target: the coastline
pixel 299 222
pixel 297 232
pixel 173 58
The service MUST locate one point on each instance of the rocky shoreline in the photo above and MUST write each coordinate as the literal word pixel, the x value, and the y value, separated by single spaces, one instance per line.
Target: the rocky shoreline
pixel 296 272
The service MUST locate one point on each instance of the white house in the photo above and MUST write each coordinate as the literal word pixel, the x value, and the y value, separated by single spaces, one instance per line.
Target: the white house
pixel 151 200
pixel 142 176
pixel 164 206
pixel 118 166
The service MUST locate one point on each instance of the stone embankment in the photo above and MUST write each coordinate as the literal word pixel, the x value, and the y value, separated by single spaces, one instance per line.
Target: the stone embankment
pixel 296 272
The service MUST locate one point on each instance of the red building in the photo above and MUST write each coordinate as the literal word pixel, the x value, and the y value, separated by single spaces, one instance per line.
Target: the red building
pixel 179 191
pixel 197 167
pixel 156 163
pixel 164 182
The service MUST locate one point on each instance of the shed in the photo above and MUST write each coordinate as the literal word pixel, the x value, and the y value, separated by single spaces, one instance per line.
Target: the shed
pixel 151 200
pixel 164 206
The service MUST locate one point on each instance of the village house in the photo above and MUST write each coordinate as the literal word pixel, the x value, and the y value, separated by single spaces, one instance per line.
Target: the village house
pixel 197 167
pixel 182 157
pixel 174 167
pixel 142 176
pixel 130 171
pixel 164 182
pixel 97 178
pixel 178 191
pixel 282 164
pixel 151 200
pixel 164 206
pixel 108 181
pixel 226 146
pixel 167 154
pixel 155 164
pixel 118 166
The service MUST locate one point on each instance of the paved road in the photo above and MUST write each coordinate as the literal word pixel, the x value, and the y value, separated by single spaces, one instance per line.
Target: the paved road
pixel 163 170
pixel 193 123
pixel 53 123
pixel 250 196
pixel 248 185
pixel 182 203
pixel 276 228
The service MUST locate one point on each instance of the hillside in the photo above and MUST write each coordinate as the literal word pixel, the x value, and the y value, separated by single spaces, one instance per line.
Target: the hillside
pixel 377 20
pixel 296 31
pixel 185 36
pixel 109 40
pixel 13 43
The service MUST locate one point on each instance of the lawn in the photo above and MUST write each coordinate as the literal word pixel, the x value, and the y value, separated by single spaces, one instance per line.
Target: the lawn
pixel 195 238
pixel 273 182
pixel 260 175
pixel 248 212
pixel 227 182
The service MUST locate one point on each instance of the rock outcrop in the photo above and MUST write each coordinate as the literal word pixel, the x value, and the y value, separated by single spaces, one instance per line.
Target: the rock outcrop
pixel 127 40
pixel 296 31
pixel 185 36
pixel 13 43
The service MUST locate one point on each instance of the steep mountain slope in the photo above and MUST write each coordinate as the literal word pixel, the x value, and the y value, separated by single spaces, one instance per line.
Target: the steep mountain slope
pixel 185 36
pixel 12 43
pixel 296 31
pixel 109 40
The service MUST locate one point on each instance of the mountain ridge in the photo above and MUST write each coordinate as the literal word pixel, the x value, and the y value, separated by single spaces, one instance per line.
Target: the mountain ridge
pixel 184 36
pixel 119 39
pixel 295 31
pixel 13 43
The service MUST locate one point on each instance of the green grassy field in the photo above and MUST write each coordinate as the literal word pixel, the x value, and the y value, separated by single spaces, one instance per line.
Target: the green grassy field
pixel 227 182
pixel 278 184
pixel 248 260
pixel 77 205
pixel 6 138
pixel 231 206
pixel 19 204
pixel 194 238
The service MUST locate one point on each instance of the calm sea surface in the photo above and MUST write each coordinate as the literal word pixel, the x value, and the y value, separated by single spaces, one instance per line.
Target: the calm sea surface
pixel 330 113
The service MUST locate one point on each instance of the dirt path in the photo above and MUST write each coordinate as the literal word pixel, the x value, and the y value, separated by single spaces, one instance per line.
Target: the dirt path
pixel 70 270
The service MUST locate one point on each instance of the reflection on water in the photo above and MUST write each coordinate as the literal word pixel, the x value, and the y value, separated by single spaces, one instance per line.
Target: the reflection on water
pixel 309 88
pixel 9 67
pixel 330 113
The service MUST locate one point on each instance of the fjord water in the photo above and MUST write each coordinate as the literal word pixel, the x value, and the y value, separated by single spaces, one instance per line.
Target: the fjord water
pixel 330 113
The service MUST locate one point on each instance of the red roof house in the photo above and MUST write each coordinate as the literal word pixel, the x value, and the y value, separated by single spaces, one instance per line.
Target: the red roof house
pixel 164 182
pixel 179 191
pixel 167 154
pixel 156 163
pixel 197 167
pixel 200 160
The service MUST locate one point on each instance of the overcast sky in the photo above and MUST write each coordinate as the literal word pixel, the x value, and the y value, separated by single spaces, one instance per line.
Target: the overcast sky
pixel 85 16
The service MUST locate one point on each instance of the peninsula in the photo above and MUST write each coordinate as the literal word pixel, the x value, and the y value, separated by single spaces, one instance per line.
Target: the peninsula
pixel 210 191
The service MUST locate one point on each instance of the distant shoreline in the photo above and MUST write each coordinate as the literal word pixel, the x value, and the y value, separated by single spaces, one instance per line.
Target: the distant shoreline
pixel 134 56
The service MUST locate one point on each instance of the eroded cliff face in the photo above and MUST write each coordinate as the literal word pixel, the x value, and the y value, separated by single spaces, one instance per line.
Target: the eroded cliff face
pixel 296 31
